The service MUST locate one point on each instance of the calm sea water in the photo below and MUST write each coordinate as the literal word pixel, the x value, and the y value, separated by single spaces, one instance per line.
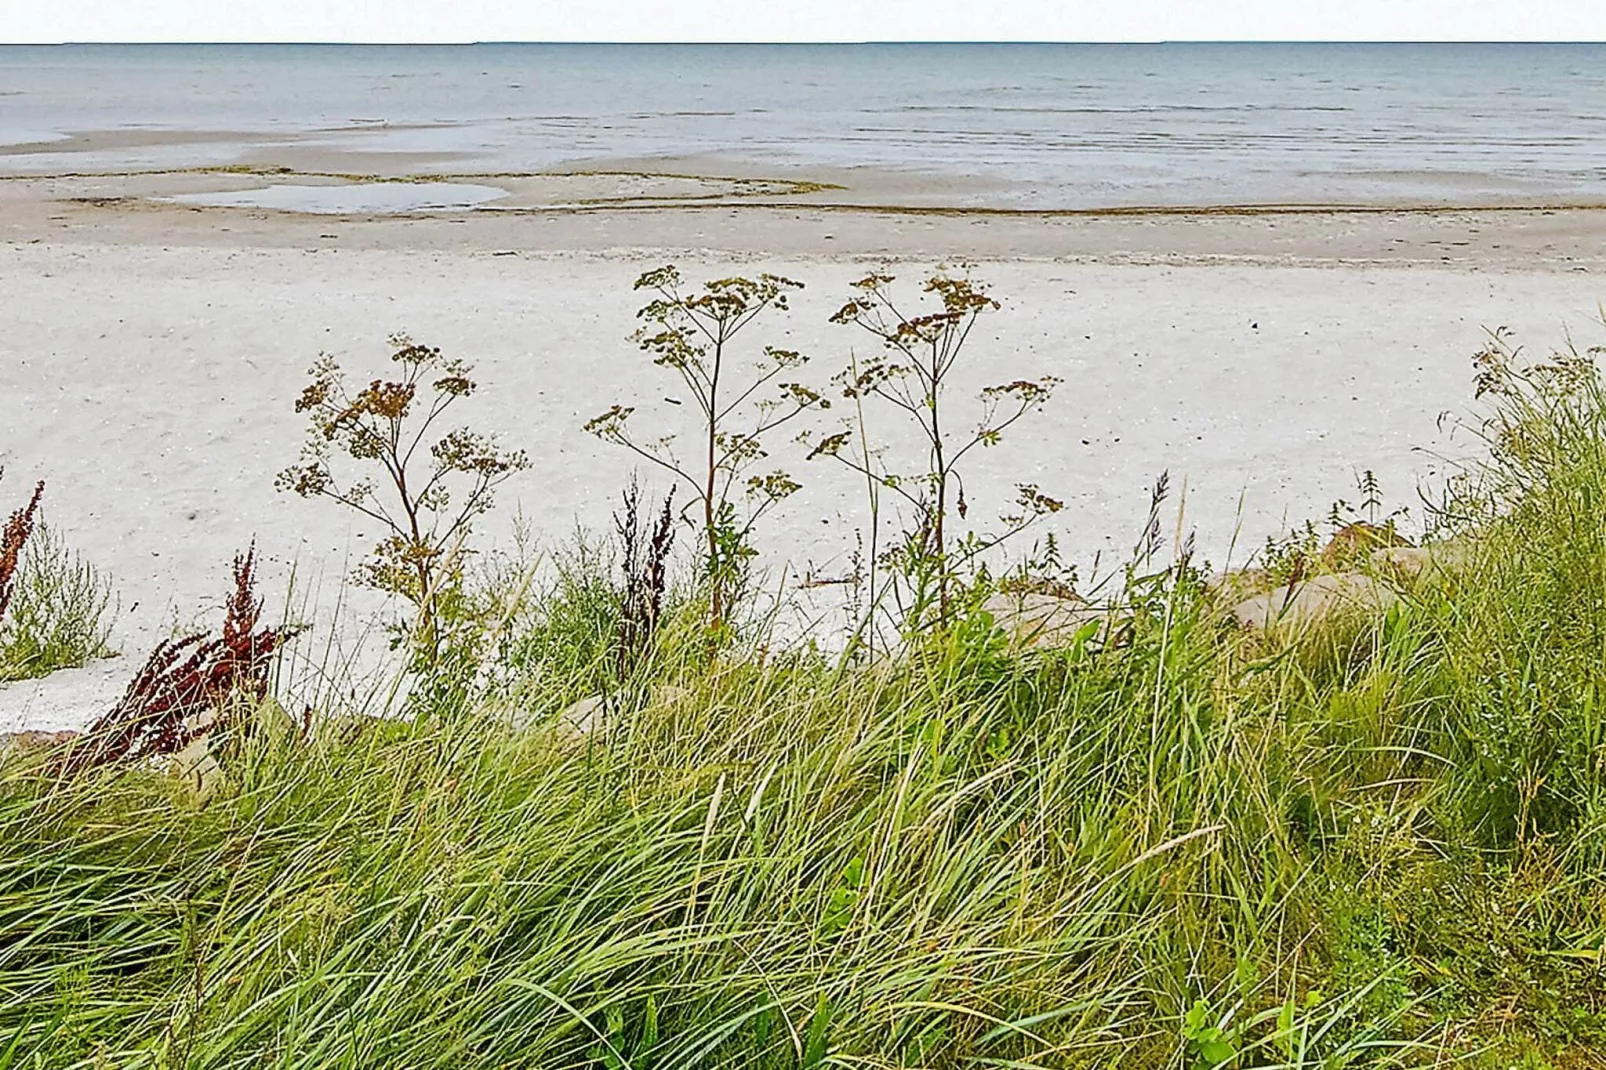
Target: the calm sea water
pixel 1038 125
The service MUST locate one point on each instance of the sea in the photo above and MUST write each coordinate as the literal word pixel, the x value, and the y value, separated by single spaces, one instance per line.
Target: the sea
pixel 1044 126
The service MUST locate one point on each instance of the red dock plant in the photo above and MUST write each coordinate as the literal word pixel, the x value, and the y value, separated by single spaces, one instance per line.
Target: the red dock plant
pixel 189 685
pixel 646 572
pixel 12 540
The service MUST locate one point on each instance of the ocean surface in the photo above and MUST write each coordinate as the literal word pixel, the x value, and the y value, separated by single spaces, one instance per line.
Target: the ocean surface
pixel 1048 126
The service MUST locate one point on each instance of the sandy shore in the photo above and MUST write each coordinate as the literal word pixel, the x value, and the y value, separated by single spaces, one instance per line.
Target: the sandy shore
pixel 150 355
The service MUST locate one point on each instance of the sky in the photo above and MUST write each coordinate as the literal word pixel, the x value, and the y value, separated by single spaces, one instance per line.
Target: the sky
pixel 50 21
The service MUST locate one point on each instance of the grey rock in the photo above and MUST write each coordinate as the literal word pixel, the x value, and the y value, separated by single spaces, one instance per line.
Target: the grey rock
pixel 1230 588
pixel 583 717
pixel 1041 621
pixel 1316 601
pixel 198 768
pixel 1411 563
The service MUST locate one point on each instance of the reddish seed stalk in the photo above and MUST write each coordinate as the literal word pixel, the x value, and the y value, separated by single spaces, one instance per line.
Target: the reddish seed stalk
pixel 12 541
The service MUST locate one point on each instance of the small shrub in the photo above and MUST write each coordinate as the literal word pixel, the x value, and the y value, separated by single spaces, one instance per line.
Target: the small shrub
pixel 596 622
pixel 564 641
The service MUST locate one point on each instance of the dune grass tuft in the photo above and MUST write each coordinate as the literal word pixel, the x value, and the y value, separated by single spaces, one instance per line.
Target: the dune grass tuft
pixel 57 614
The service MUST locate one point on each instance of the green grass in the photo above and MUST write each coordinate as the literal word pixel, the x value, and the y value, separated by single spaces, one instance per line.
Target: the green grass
pixel 1382 847
pixel 57 618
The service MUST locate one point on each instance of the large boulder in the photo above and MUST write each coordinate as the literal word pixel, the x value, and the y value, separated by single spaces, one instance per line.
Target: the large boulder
pixel 197 768
pixel 1229 588
pixel 1353 543
pixel 584 717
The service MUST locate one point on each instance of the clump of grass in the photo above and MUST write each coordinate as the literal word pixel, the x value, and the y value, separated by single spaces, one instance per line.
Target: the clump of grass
pixel 53 604
pixel 607 616
pixel 562 645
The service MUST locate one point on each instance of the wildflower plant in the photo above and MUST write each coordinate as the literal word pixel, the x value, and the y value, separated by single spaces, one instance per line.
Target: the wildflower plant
pixel 431 484
pixel 691 334
pixel 920 354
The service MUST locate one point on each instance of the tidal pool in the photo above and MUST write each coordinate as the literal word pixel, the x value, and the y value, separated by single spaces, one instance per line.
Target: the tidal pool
pixel 351 199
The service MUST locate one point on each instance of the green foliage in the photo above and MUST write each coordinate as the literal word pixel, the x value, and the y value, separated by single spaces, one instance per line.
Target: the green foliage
pixel 562 639
pixel 565 639
pixel 1349 533
pixel 1211 1044
pixel 57 616
pixel 1170 849
pixel 562 644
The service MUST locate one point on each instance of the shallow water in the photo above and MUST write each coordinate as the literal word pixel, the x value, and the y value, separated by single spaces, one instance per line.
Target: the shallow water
pixel 362 197
pixel 1039 125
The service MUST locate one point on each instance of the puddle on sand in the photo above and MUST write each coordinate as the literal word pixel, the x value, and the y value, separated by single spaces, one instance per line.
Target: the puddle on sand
pixel 357 198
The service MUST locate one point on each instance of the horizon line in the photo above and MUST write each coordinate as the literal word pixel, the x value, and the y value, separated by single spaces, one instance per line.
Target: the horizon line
pixel 810 43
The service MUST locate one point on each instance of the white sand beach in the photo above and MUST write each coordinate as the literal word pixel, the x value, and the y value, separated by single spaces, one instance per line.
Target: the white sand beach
pixel 150 355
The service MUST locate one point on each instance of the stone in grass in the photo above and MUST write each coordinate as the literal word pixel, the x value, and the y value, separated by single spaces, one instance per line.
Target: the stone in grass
pixel 198 769
pixel 1040 621
pixel 34 740
pixel 1408 564
pixel 585 716
pixel 1229 588
pixel 1353 543
pixel 1317 601
pixel 1353 547
pixel 195 766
